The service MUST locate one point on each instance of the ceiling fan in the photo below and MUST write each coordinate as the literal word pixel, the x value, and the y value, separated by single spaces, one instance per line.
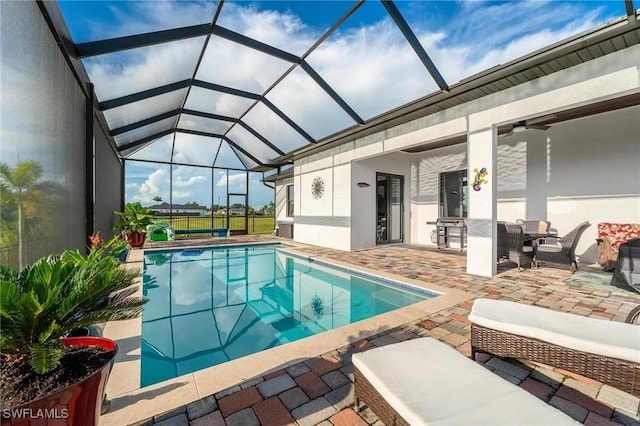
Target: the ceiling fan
pixel 523 125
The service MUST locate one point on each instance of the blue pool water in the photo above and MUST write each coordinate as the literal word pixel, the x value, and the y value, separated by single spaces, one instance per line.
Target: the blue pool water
pixel 208 306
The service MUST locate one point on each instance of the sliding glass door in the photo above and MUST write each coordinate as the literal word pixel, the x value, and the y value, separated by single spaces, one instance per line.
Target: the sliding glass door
pixel 389 208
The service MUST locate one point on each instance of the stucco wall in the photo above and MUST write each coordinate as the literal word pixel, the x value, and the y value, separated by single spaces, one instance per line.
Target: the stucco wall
pixel 363 210
pixel 323 220
pixel 584 169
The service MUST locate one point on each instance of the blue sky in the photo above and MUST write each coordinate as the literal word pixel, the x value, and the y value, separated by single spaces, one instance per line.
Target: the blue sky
pixel 367 62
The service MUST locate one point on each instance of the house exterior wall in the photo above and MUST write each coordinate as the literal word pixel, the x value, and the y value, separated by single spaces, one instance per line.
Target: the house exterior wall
pixel 323 221
pixel 281 200
pixel 561 175
pixel 363 207
pixel 584 169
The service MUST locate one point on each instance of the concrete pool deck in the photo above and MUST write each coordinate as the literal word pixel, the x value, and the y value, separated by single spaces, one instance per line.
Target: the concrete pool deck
pixel 308 382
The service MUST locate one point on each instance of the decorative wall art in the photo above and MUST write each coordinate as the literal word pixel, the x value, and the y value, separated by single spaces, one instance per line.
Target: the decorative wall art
pixel 317 187
pixel 480 178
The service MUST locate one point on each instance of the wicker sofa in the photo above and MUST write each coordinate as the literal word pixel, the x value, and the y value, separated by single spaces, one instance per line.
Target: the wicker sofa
pixel 606 351
pixel 610 236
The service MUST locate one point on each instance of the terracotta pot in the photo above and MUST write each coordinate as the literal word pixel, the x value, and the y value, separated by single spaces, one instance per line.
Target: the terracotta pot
pixel 136 239
pixel 76 405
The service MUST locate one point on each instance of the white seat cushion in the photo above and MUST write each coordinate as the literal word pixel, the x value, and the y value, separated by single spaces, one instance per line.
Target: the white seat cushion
pixel 429 383
pixel 553 248
pixel 592 335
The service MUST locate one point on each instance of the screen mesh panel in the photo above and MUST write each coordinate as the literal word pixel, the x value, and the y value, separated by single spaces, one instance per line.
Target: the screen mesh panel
pixel 108 185
pixel 42 131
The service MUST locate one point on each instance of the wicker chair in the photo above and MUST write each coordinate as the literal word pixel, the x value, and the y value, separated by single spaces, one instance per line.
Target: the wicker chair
pixel 560 250
pixel 535 226
pixel 511 244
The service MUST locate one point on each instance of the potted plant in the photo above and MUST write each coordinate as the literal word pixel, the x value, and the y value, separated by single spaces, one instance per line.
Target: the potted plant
pixel 45 375
pixel 134 221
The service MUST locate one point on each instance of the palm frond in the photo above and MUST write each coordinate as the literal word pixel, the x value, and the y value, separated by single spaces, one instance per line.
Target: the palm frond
pixel 46 356
pixel 59 293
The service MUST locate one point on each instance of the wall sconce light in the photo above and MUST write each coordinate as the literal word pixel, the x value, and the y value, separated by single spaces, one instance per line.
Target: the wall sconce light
pixel 363 184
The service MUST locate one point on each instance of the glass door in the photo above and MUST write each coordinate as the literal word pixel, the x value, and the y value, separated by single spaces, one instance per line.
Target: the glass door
pixel 237 217
pixel 389 208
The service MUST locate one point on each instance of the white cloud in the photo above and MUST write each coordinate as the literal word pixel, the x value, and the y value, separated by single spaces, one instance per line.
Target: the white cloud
pixel 370 65
pixel 156 184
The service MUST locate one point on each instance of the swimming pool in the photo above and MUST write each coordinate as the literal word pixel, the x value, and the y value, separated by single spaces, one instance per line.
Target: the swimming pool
pixel 212 305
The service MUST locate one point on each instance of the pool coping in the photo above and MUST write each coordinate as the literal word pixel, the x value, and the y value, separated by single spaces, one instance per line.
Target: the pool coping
pixel 130 403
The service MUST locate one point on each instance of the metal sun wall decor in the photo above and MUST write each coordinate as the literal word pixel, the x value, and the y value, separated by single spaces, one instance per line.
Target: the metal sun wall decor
pixel 317 187
pixel 480 178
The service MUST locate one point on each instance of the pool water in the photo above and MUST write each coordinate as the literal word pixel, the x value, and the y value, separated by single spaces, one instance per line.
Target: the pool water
pixel 208 306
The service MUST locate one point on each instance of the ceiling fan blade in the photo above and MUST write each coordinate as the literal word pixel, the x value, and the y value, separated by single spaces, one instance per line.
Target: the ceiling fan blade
pixel 538 126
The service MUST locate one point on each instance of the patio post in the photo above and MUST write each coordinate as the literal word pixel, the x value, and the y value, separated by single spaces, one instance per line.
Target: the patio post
pixel 482 141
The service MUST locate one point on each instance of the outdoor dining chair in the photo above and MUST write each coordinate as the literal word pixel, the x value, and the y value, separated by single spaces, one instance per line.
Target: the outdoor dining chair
pixel 511 244
pixel 561 250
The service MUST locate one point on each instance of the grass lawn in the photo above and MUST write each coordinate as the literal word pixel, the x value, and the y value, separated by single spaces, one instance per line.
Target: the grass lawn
pixel 255 224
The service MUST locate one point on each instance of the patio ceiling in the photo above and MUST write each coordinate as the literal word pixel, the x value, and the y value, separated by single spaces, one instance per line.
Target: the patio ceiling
pixel 248 85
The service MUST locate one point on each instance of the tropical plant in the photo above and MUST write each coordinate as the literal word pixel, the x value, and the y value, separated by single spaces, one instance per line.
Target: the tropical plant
pixel 135 218
pixel 60 293
pixel 21 189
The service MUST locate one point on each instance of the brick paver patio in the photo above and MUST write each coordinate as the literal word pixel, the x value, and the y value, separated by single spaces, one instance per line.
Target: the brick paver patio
pixel 319 391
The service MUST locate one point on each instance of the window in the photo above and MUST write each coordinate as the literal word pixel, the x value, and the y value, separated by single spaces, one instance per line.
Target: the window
pixel 453 191
pixel 289 200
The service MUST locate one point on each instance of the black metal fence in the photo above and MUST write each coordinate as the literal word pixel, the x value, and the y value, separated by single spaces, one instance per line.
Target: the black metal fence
pixel 252 224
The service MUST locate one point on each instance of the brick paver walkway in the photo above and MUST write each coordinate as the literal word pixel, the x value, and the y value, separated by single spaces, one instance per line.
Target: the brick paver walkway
pixel 319 391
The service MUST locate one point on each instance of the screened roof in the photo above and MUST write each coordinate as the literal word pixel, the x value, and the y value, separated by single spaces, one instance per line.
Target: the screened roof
pixel 242 84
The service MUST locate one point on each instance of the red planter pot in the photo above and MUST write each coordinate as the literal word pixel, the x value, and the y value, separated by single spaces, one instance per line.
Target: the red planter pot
pixel 136 239
pixel 76 405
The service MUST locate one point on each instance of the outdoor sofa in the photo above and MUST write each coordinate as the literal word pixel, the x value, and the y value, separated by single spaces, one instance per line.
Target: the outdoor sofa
pixel 610 237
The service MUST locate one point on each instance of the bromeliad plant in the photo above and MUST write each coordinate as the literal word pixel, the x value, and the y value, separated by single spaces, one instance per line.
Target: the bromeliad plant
pixel 60 293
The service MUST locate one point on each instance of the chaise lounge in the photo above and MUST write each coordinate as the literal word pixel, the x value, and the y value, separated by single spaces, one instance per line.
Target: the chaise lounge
pixel 606 351
pixel 426 382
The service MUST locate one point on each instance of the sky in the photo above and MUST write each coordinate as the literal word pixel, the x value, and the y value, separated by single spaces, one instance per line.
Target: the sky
pixel 366 61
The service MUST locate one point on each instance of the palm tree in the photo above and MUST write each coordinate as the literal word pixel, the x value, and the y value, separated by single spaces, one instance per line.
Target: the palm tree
pixel 20 185
pixel 157 199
